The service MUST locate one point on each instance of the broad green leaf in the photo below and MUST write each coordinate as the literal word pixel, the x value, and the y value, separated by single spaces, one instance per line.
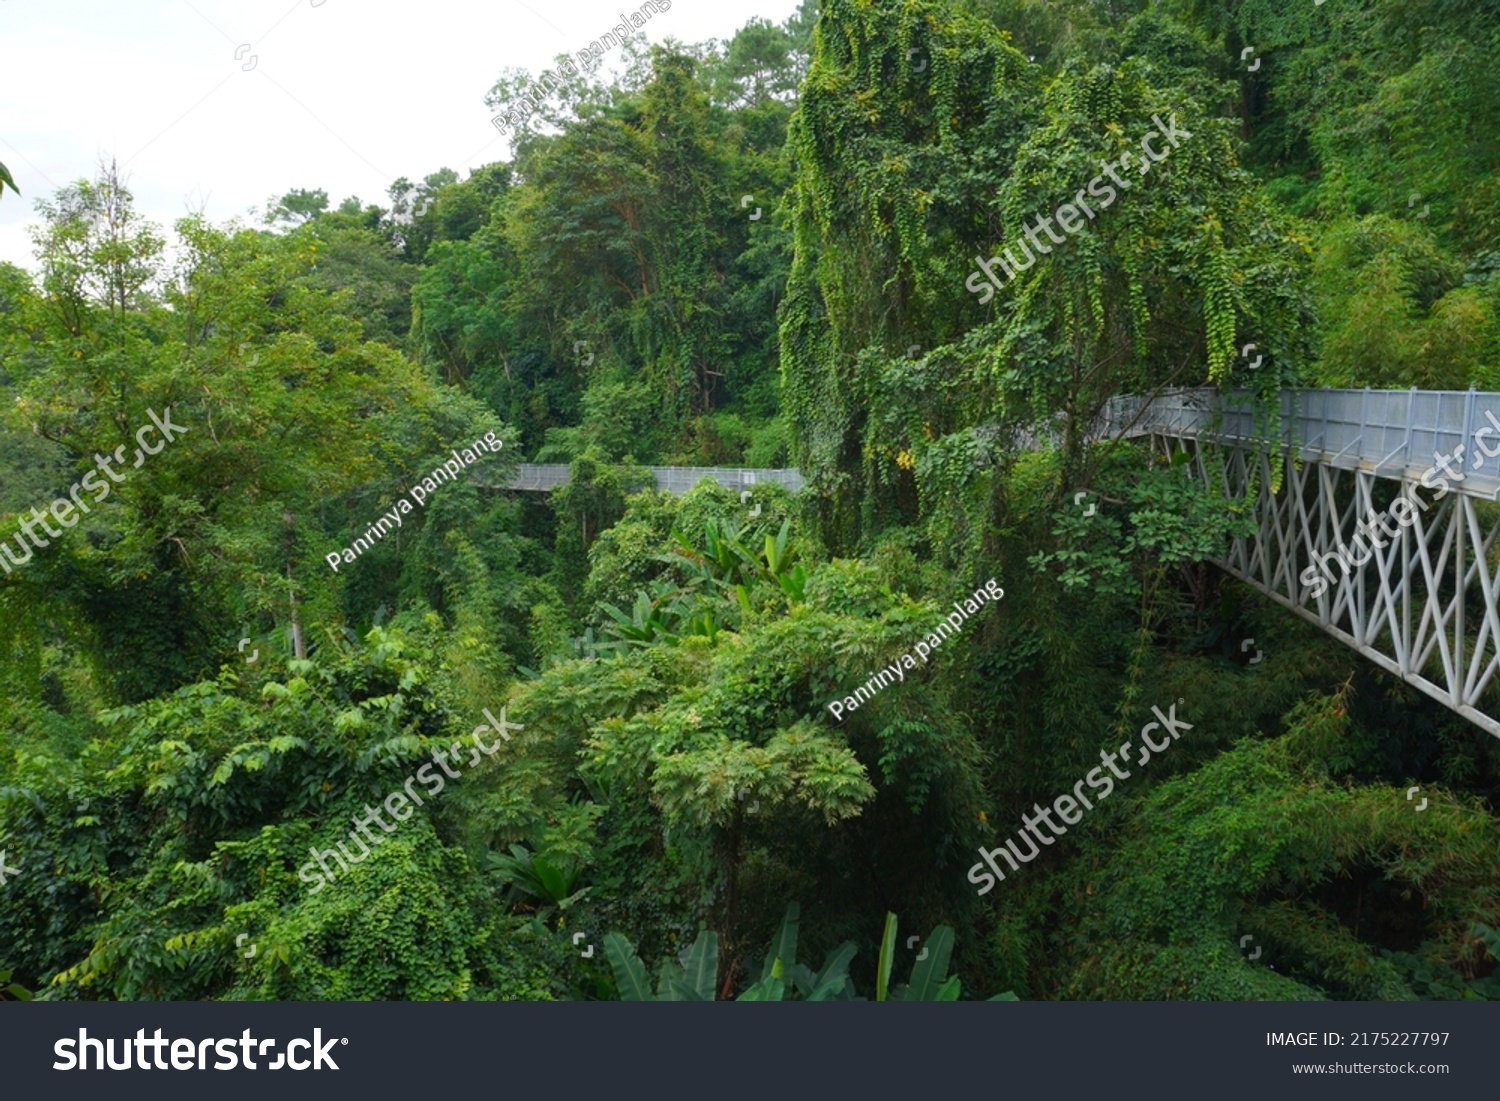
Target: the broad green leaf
pixel 550 878
pixel 887 957
pixel 829 990
pixel 831 981
pixel 630 973
pixel 948 992
pixel 836 965
pixel 803 979
pixel 927 974
pixel 767 990
pixel 784 946
pixel 669 984
pixel 700 965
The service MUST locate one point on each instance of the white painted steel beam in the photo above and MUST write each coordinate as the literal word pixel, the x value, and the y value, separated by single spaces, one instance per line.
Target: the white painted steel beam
pixel 1423 603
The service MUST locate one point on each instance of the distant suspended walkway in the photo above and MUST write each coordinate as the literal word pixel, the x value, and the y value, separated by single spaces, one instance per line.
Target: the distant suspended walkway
pixel 542 477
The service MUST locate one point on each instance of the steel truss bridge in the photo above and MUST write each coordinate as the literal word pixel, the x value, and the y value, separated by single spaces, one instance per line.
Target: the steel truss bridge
pixel 1419 603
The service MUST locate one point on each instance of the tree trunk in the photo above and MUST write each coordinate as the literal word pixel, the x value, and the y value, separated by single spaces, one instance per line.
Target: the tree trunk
pixel 299 648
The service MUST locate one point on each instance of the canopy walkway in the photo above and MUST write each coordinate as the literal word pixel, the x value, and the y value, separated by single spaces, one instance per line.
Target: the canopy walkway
pixel 1417 594
pixel 542 477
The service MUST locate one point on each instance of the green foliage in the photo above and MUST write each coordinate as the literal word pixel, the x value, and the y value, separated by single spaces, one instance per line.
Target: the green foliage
pixel 196 812
pixel 691 979
pixel 605 298
pixel 1397 312
pixel 887 957
pixel 630 973
pixel 626 252
pixel 9 990
pixel 1263 841
pixel 1163 516
pixel 299 204
pixel 782 978
pixel 930 981
pixel 534 875
pixel 912 177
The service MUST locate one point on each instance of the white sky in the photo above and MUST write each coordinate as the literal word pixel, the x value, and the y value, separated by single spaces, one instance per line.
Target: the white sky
pixel 345 96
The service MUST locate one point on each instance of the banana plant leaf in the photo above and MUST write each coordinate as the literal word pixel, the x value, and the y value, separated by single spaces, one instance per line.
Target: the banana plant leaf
pixel 833 980
pixel 784 946
pixel 767 990
pixel 700 968
pixel 669 985
pixel 887 957
pixel 927 974
pixel 948 992
pixel 630 973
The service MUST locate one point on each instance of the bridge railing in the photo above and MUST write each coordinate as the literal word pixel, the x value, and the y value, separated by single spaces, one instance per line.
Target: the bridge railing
pixel 680 479
pixel 541 477
pixel 1390 433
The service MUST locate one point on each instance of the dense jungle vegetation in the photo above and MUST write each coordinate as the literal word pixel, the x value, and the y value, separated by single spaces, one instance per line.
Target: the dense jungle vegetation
pixel 678 789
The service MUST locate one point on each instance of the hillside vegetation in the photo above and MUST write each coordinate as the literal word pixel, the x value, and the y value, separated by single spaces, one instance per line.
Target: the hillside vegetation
pixel 672 783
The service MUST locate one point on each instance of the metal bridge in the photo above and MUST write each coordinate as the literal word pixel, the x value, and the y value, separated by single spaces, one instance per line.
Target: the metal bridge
pixel 542 477
pixel 1416 594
